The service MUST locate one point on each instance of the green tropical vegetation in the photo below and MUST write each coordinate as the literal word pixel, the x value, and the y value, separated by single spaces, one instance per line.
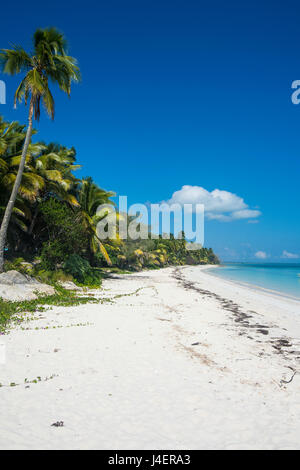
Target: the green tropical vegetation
pixel 48 62
pixel 48 215
pixel 52 232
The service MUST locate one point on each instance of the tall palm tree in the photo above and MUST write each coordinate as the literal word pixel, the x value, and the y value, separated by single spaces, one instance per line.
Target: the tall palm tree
pixel 49 61
pixel 90 198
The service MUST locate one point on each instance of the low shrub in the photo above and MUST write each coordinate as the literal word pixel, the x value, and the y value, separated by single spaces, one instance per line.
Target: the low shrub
pixel 52 277
pixel 82 271
pixel 53 253
pixel 19 264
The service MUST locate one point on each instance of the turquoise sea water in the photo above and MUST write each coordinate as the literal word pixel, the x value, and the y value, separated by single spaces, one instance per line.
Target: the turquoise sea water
pixel 284 278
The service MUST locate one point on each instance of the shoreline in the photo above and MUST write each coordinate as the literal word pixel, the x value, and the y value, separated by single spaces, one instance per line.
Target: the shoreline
pixel 249 285
pixel 176 359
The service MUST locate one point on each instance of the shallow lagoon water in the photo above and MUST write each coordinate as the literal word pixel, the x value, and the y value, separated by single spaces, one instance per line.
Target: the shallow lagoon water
pixel 282 277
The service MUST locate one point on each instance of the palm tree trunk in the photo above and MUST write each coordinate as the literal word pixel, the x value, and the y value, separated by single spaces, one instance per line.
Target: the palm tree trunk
pixel 32 224
pixel 14 193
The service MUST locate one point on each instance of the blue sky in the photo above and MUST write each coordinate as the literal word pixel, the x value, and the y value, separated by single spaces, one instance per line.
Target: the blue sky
pixel 178 93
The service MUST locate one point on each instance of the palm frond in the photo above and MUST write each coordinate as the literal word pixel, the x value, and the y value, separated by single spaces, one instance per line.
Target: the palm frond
pixel 13 61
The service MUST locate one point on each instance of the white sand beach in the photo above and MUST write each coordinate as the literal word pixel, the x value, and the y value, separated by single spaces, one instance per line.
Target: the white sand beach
pixel 179 359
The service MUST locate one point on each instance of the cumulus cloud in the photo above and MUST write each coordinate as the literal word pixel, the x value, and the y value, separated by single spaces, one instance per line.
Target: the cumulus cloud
pixel 261 255
pixel 287 255
pixel 218 204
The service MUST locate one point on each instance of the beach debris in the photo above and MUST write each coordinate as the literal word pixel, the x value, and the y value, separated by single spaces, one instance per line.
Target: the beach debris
pixel 58 424
pixel 281 343
pixel 288 381
pixel 243 319
pixel 195 344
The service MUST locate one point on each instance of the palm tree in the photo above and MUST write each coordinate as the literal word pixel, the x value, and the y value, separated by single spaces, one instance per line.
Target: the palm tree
pixel 10 161
pixel 11 134
pixel 48 61
pixel 90 198
pixel 55 164
pixel 12 137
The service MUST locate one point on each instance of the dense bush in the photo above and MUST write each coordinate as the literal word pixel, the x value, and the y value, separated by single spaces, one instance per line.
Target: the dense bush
pixel 82 271
pixel 53 253
pixel 65 234
pixel 64 224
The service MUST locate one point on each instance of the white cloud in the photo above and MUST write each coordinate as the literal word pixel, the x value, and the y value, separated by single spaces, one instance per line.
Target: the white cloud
pixel 287 255
pixel 218 204
pixel 261 255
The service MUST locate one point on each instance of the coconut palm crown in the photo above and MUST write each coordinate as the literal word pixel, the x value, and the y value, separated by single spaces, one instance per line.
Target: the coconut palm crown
pixel 48 62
